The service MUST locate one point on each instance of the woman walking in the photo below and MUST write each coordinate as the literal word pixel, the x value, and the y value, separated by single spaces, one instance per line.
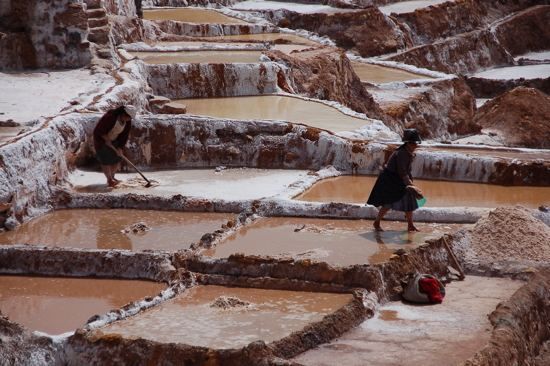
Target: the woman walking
pixel 110 135
pixel 390 190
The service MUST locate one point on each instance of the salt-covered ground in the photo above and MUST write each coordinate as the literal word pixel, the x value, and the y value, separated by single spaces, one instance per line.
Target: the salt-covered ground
pixel 28 96
pixel 408 6
pixel 226 184
pixel 516 72
pixel 545 55
pixel 409 334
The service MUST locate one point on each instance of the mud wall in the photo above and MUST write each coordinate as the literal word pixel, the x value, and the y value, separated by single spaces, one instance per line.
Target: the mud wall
pixel 43 34
pixel 526 32
pixel 368 32
pixel 438 22
pixel 20 346
pixel 176 81
pixel 464 54
pixel 326 73
pixel 382 279
pixel 440 110
pixel 66 262
pixel 205 30
pixel 491 88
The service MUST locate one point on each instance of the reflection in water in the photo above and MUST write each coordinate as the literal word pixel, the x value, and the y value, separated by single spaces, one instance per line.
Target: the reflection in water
pixel 103 229
pixel 57 305
pixel 356 189
pixel 277 107
pixel 345 242
pixel 188 318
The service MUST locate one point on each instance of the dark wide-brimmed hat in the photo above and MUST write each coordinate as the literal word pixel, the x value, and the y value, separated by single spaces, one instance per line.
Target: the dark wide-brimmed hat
pixel 411 135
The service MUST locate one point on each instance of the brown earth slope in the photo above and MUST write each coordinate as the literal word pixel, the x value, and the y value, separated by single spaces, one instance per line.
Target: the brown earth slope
pixel 519 118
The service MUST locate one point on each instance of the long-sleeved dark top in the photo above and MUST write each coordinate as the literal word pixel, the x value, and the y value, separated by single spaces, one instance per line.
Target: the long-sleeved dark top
pixel 104 125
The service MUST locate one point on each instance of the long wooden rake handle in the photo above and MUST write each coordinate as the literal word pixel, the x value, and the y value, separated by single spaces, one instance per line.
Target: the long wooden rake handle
pixel 137 170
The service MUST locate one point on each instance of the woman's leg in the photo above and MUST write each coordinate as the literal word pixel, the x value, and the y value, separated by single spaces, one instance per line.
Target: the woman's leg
pixel 381 213
pixel 409 216
pixel 114 169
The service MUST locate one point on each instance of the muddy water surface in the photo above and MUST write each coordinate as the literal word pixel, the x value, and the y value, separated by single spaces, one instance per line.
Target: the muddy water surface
pixel 190 15
pixel 377 74
pixel 345 242
pixel 58 305
pixel 190 318
pixel 277 107
pixel 103 229
pixel 356 189
pixel 194 57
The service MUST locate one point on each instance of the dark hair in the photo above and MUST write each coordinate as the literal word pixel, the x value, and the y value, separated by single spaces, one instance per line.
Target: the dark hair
pixel 119 111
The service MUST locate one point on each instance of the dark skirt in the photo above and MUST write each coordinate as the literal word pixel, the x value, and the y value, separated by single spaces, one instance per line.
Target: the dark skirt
pixel 108 156
pixel 389 191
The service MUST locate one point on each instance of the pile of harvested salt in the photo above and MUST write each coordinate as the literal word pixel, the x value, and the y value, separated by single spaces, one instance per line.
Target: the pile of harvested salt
pixel 511 233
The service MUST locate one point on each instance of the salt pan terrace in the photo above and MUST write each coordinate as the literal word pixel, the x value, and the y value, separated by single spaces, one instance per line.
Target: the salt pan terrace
pixel 57 305
pixel 276 107
pixel 206 56
pixel 191 15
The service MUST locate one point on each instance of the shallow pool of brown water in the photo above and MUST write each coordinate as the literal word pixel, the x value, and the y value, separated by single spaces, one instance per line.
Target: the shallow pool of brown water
pixel 377 74
pixel 191 16
pixel 344 242
pixel 357 188
pixel 195 57
pixel 7 133
pixel 276 107
pixel 190 319
pixel 103 229
pixel 55 305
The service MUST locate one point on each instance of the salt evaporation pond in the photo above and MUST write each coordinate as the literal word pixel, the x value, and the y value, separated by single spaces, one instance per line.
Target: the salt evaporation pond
pixel 55 305
pixel 377 74
pixel 344 242
pixel 409 6
pixel 111 229
pixel 516 72
pixel 193 318
pixel 219 183
pixel 198 57
pixel 7 133
pixel 191 15
pixel 357 188
pixel 275 107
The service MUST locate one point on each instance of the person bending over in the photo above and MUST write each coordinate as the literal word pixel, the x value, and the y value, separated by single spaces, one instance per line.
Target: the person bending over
pixel 110 135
